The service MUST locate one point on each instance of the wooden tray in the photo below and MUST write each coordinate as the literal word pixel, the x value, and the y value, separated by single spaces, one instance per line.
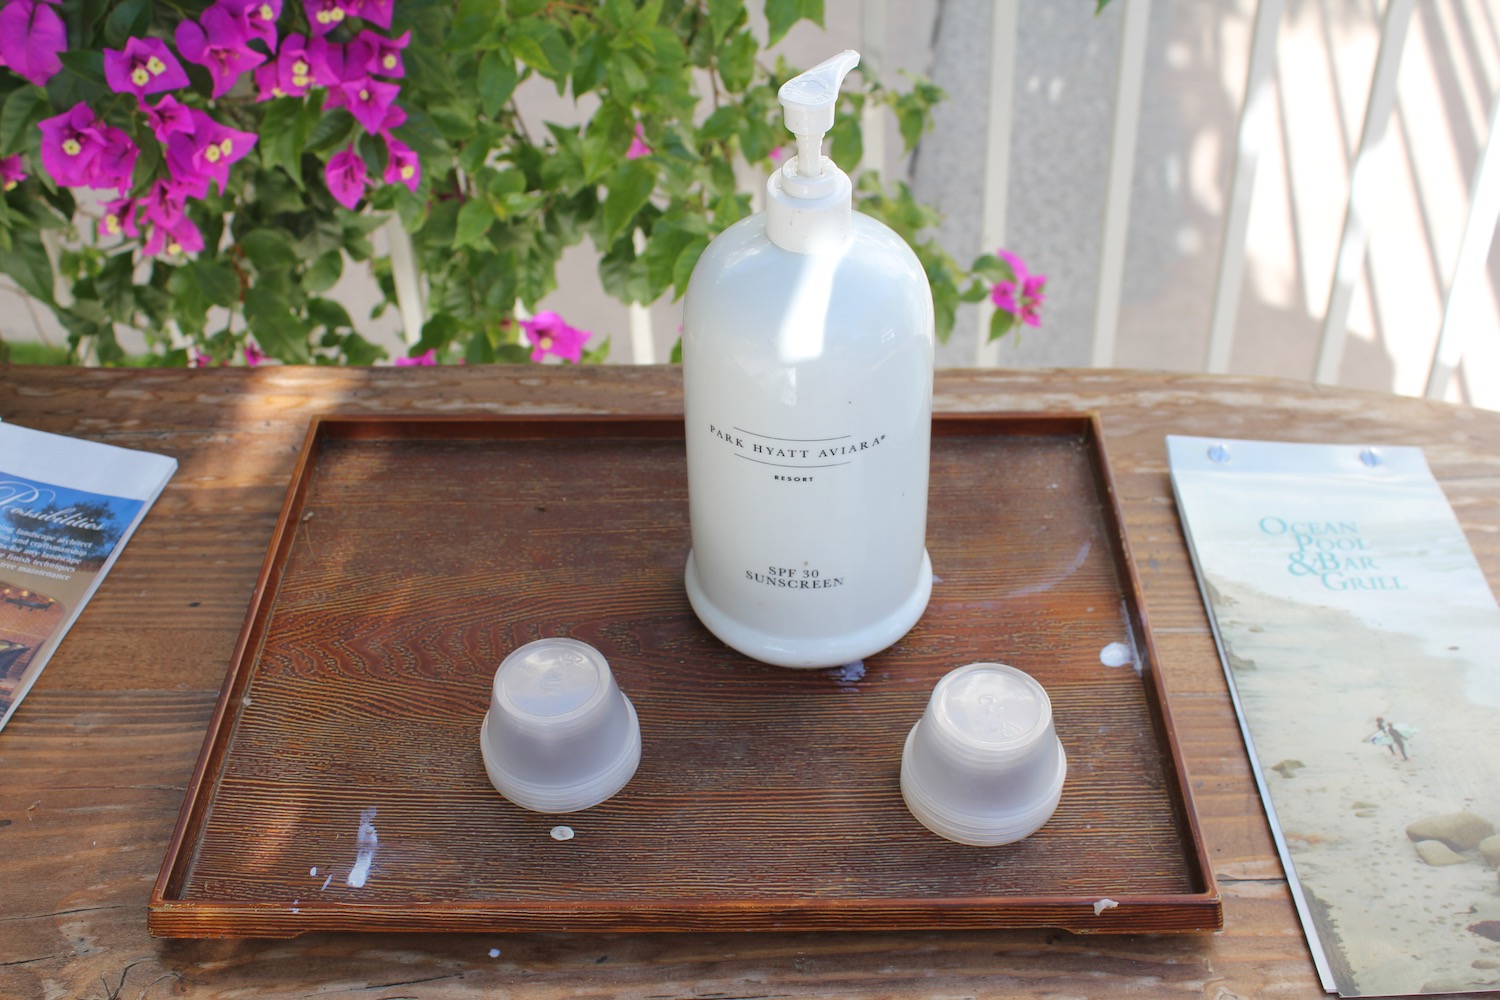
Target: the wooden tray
pixel 340 785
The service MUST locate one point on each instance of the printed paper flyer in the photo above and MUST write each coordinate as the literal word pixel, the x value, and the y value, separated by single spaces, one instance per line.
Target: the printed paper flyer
pixel 58 538
pixel 1360 637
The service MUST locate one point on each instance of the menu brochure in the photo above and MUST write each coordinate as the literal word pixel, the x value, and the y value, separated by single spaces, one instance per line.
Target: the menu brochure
pixel 1360 638
pixel 67 508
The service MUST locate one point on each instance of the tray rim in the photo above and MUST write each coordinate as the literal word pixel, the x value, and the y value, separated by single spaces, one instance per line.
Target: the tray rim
pixel 170 916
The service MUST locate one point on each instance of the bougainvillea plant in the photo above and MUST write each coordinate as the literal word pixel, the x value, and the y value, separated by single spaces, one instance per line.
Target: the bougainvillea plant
pixel 204 172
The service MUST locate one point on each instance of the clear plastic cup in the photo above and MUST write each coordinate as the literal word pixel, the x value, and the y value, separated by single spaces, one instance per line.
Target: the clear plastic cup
pixel 560 735
pixel 983 765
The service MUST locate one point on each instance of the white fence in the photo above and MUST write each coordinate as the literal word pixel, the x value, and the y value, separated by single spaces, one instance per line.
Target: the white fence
pixel 1464 327
pixel 1408 95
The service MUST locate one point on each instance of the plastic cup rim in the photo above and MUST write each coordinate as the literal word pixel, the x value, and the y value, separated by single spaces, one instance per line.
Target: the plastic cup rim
pixel 574 795
pixel 979 829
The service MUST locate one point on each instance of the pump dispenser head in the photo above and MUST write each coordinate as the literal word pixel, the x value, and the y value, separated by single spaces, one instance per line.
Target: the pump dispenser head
pixel 809 200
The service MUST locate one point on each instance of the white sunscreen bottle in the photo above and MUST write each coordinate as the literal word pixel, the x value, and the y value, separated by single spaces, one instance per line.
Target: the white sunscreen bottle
pixel 807 355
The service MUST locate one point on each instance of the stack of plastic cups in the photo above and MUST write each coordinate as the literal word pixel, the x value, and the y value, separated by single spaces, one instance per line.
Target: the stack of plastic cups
pixel 984 766
pixel 560 735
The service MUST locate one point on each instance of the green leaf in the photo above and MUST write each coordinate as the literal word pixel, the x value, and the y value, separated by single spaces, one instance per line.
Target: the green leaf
pixel 676 357
pixel 944 307
pixel 131 19
pixel 28 264
pixel 325 234
pixel 993 269
pixel 356 350
pixel 540 45
pixel 812 10
pixel 682 270
pixel 723 17
pixel 455 124
pixel 846 141
pixel 283 134
pixel 269 249
pixel 332 129
pixel 737 62
pixel 721 124
pixel 189 303
pixel 217 283
pixel 607 139
pixel 422 135
pixel 324 272
pixel 275 328
pixel 474 221
pixel 85 64
pixel 589 68
pixel 329 314
pixel 630 186
pixel 23 109
pixel 524 8
pixel 912 122
pixel 780 16
pixel 1001 323
pixel 474 19
pixel 497 81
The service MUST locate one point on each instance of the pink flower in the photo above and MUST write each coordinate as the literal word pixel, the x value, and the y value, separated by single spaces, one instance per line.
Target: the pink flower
pixel 776 154
pixel 294 66
pixel 378 55
pixel 168 116
pixel 329 61
pixel 118 219
pixel 1022 297
pixel 324 15
pixel 256 18
pixel 375 11
pixel 394 118
pixel 428 357
pixel 71 142
pixel 638 147
pixel 115 164
pixel 401 165
pixel 165 203
pixel 347 176
pixel 144 66
pixel 253 355
pixel 218 42
pixel 181 236
pixel 12 171
pixel 31 36
pixel 206 153
pixel 549 334
pixel 367 99
pixel 200 360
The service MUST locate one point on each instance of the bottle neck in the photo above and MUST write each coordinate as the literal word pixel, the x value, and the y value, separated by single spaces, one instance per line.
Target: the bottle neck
pixel 809 214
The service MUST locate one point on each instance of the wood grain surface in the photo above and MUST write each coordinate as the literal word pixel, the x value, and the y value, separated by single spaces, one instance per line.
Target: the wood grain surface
pixel 415 555
pixel 94 765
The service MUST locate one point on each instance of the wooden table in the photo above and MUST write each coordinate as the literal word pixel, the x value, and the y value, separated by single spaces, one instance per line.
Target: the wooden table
pixel 94 764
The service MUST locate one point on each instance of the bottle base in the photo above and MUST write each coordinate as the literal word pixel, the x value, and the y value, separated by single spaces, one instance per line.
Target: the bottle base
pixel 810 654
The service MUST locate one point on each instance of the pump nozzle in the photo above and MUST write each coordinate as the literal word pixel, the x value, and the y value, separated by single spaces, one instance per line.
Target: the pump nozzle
pixel 808 100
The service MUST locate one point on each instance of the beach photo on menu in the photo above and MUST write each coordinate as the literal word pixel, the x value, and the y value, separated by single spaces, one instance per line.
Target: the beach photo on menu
pixel 1359 635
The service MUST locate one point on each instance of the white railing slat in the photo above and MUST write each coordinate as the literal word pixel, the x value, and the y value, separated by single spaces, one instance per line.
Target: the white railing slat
pixel 642 337
pixel 872 46
pixel 1362 175
pixel 407 279
pixel 1005 20
pixel 1122 140
pixel 1255 127
pixel 1469 270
